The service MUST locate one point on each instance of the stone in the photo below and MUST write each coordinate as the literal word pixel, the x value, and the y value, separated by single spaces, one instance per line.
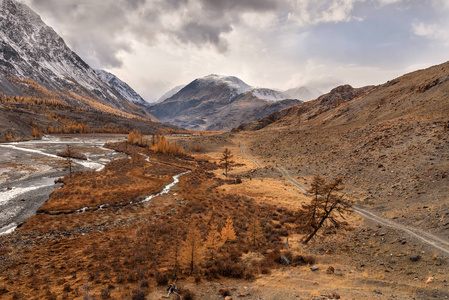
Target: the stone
pixel 314 268
pixel 330 270
pixel 415 258
pixel 228 298
pixel 439 261
pixel 430 280
pixel 284 260
pixel 224 292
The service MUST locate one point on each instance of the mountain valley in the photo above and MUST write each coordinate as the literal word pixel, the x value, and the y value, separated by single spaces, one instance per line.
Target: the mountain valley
pixel 218 190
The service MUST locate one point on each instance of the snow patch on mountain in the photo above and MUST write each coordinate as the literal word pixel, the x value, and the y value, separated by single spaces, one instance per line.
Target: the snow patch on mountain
pixel 31 49
pixel 122 87
pixel 270 95
pixel 233 82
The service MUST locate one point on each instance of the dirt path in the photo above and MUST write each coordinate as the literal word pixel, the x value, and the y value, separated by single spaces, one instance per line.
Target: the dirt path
pixel 287 176
pixel 244 154
pixel 424 237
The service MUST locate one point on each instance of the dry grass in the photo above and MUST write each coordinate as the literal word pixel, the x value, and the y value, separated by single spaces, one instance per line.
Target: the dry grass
pixel 124 246
pixel 121 181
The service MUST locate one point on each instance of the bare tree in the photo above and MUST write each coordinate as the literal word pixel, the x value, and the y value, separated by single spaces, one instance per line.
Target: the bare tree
pixel 69 160
pixel 69 153
pixel 226 161
pixel 328 205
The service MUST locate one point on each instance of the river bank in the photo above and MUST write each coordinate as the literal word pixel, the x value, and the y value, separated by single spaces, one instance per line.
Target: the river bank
pixel 28 171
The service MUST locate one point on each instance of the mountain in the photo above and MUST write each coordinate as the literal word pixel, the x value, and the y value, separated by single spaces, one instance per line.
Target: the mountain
pixel 303 93
pixel 334 98
pixel 170 93
pixel 270 95
pixel 217 102
pixel 31 50
pixel 389 143
pixel 122 87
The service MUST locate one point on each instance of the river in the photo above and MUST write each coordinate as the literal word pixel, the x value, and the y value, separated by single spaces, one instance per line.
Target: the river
pixel 28 171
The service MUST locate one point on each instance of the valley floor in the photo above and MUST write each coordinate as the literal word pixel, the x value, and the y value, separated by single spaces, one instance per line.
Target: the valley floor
pixel 119 251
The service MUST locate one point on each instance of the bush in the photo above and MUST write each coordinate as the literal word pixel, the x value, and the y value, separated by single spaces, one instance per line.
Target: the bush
pixel 138 295
pixel 250 274
pixel 265 270
pixel 197 279
pixel 105 294
pixel 144 284
pixel 188 295
pixel 238 271
pixel 309 259
pixel 211 273
pixel 161 278
pixel 275 255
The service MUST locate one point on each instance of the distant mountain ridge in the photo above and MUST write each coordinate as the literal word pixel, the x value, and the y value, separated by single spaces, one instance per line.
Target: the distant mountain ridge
pixel 122 87
pixel 170 93
pixel 29 49
pixel 304 93
pixel 216 102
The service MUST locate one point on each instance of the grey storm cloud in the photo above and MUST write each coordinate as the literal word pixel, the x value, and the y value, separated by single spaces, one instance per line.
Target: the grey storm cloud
pixel 270 41
pixel 100 30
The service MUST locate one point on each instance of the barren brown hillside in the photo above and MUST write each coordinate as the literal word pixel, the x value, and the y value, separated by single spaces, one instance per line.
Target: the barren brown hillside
pixel 389 142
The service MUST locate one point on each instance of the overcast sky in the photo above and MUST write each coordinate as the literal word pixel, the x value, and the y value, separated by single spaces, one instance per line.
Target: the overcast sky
pixel 155 45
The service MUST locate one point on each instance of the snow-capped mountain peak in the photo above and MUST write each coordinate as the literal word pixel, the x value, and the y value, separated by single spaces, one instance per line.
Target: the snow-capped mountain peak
pixel 269 94
pixel 30 49
pixel 231 81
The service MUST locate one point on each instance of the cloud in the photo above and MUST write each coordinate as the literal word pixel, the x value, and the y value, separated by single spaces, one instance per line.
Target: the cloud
pixel 157 44
pixel 101 31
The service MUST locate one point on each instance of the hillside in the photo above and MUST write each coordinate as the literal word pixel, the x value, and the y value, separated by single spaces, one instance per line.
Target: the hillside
pixel 217 103
pixel 390 144
pixel 31 50
pixel 122 87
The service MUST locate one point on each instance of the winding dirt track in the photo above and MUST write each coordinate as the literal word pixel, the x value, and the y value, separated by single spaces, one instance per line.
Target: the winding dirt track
pixel 244 154
pixel 424 237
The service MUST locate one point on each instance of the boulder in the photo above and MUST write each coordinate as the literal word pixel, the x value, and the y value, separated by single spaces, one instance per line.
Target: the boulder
pixel 415 257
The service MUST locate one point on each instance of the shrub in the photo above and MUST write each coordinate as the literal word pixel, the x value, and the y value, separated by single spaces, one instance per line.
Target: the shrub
pixel 197 279
pixel 238 271
pixel 138 295
pixel 105 294
pixel 188 295
pixel 275 255
pixel 250 274
pixel 298 260
pixel 309 259
pixel 161 278
pixel 265 270
pixel 144 284
pixel 211 273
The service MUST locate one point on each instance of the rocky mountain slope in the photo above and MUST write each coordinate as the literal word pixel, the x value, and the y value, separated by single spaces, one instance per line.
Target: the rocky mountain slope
pixel 390 143
pixel 334 98
pixel 217 103
pixel 122 87
pixel 29 49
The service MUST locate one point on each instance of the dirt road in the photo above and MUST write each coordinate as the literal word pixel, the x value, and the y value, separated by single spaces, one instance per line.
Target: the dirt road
pixel 424 237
